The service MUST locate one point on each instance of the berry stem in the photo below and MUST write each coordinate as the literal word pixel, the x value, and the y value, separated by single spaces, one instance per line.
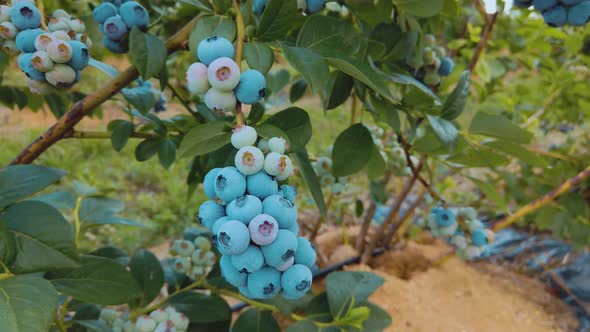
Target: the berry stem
pixel 184 102
pixel 360 241
pixel 396 232
pixel 353 109
pixel 237 296
pixel 77 221
pixel 241 37
pixel 39 5
pixel 490 20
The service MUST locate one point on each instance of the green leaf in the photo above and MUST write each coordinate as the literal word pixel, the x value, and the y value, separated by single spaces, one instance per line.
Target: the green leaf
pixel 201 308
pixel 517 151
pixel 364 73
pixel 143 99
pixel 255 320
pixel 147 271
pixel 95 325
pixel 347 288
pixel 202 5
pixel 259 56
pixel 303 326
pixel 372 12
pixel 338 89
pixel 45 240
pixel 378 320
pixel 384 111
pixel 329 36
pixel 297 90
pixel 318 309
pixel 311 179
pixel 98 280
pixel 352 150
pixel 256 113
pixel 498 126
pixel 113 253
pixel 7 245
pixel 209 26
pixel 295 123
pixel 309 64
pixel 167 152
pixel 148 53
pixel 277 20
pixel 491 192
pixel 456 102
pixel 95 209
pixel 20 181
pixel 356 317
pixel 204 139
pixel 376 166
pixel 147 149
pixel 405 46
pixel 420 8
pixel 121 133
pixel 445 130
pixel 61 200
pixel 277 80
pixel 27 303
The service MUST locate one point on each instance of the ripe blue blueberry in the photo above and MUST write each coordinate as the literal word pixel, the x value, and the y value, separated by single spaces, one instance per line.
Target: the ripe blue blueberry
pixel 283 267
pixel 233 238
pixel 293 228
pixel 244 291
pixel 249 261
pixel 230 184
pixel 543 5
pixel 281 209
pixel 444 217
pixel 305 253
pixel 579 14
pixel 288 192
pixel 231 274
pixel 103 12
pixel 314 6
pixel 80 56
pixel 115 46
pixel 25 40
pixel 446 66
pixel 244 208
pixel 114 28
pixel 479 237
pixel 25 15
pixel 556 16
pixel 209 213
pixel 296 281
pixel 259 6
pixel 261 185
pixel 249 160
pixel 24 63
pixel 264 283
pixel 213 48
pixel 281 250
pixel 263 229
pixel 216 226
pixel 209 183
pixel 134 15
pixel 252 87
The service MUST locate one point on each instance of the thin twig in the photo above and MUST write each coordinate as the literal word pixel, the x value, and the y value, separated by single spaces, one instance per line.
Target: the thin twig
pixel 241 37
pixel 103 135
pixel 403 222
pixel 369 215
pixel 485 38
pixel 321 220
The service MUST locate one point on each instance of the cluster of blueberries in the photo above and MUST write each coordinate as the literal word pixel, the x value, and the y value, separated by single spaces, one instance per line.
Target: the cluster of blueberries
pixel 433 65
pixel 146 91
pixel 308 6
pixel 557 13
pixel 218 77
pixel 116 19
pixel 160 320
pixel 194 259
pixel 56 56
pixel 323 169
pixel 254 223
pixel 462 229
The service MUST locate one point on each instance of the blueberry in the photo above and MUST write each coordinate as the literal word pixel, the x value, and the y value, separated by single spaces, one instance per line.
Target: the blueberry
pixel 570 2
pixel 275 164
pixel 233 238
pixel 556 16
pixel 523 3
pixel 288 192
pixel 182 265
pixel 281 209
pixel 230 184
pixel 259 6
pixel 213 48
pixel 446 66
pixel 8 30
pixel 444 217
pixel 25 40
pixel 231 274
pixel 293 228
pixel 115 46
pixel 264 283
pixel 209 183
pixel 43 40
pixel 39 87
pixel 114 28
pixel 263 229
pixel 25 15
pixel 209 213
pixel 305 253
pixel 249 261
pixel 159 315
pixel 61 13
pixel 223 74
pixel 543 5
pixel 24 63
pixel 578 14
pixel 58 24
pixel 244 208
pixel 261 185
pixel 77 26
pixel 243 136
pixel 479 237
pixel 249 160
pixel 80 56
pixel 432 78
pixel 244 291
pixel 220 101
pixel 216 226
pixel 281 250
pixel 252 87
pixel 134 15
pixel 60 51
pixel 296 281
pixel 314 6
pixel 197 80
pixel 277 144
pixel 4 13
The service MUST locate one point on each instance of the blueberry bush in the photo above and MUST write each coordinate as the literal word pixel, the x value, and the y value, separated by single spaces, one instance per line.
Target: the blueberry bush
pixel 453 117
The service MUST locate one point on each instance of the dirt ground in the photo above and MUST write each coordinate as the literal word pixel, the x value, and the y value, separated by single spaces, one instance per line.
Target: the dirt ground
pixel 455 296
